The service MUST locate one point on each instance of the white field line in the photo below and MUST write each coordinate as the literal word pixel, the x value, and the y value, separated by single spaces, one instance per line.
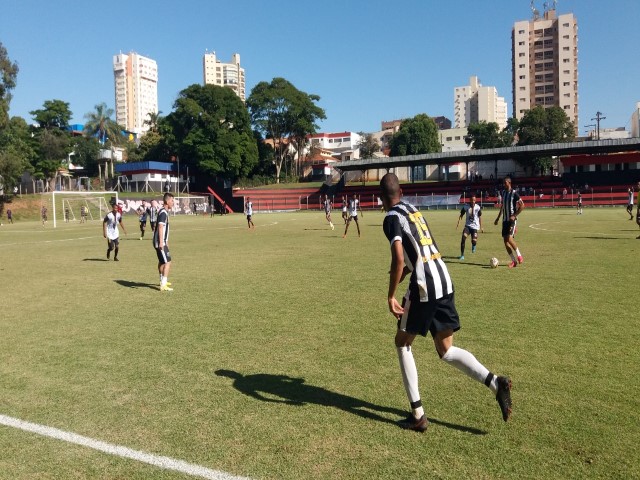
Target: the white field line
pixel 166 463
pixel 536 226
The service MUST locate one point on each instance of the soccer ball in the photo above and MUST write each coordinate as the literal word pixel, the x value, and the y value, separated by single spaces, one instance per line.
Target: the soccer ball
pixel 494 262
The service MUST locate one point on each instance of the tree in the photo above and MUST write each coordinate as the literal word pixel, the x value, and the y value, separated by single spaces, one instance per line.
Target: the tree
pixel 86 151
pixel 53 147
pixel 282 112
pixel 54 114
pixel 416 136
pixel 153 121
pixel 8 75
pixel 484 135
pixel 540 126
pixel 16 152
pixel 210 129
pixel 99 124
pixel 368 145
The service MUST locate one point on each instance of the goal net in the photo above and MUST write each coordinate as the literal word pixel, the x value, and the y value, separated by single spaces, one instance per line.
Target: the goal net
pixel 79 206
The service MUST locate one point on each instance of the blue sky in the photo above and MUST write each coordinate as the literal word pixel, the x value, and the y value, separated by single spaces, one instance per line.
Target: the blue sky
pixel 368 60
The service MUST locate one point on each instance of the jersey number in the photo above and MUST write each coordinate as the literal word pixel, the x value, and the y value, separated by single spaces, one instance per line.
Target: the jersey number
pixel 421 227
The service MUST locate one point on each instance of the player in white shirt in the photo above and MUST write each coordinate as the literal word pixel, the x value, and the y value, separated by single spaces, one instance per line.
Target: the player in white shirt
pixel 345 213
pixel 248 210
pixel 630 204
pixel 327 210
pixel 472 225
pixel 110 230
pixel 354 206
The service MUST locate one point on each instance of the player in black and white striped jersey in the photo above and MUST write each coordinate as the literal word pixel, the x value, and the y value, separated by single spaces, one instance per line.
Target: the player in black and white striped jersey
pixel 161 242
pixel 472 224
pixel 512 205
pixel 428 305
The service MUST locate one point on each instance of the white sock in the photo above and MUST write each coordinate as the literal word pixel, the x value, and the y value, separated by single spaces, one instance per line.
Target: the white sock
pixel 410 379
pixel 518 252
pixel 163 280
pixel 467 363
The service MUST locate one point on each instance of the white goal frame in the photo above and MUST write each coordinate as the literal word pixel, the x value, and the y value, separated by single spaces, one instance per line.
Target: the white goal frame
pixel 85 194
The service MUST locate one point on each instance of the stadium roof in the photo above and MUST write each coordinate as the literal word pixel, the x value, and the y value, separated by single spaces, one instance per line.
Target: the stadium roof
pixel 529 151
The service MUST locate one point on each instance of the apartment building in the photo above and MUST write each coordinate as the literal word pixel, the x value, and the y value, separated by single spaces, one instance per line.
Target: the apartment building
pixel 474 103
pixel 229 75
pixel 545 64
pixel 136 90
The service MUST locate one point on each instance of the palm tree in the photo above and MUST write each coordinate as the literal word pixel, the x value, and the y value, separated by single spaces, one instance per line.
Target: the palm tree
pixel 154 119
pixel 100 125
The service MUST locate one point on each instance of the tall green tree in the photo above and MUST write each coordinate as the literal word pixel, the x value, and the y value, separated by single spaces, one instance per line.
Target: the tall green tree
pixel 540 126
pixel 53 114
pixel 16 151
pixel 85 153
pixel 368 145
pixel 8 76
pixel 283 113
pixel 484 135
pixel 210 129
pixel 99 124
pixel 416 136
pixel 53 147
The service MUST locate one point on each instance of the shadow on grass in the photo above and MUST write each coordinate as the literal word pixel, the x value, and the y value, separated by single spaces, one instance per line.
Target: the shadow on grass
pixel 294 391
pixel 129 284
pixel 95 260
pixel 603 238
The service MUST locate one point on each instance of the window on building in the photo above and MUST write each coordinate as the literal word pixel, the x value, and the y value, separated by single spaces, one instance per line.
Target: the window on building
pixel 565 24
pixel 521 54
pixel 566 72
pixel 457 137
pixel 449 139
pixel 523 88
pixel 522 65
pixel 521 77
pixel 520 43
pixel 520 32
pixel 566 60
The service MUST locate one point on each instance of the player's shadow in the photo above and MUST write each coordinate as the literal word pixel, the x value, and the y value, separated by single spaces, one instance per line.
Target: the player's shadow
pixel 602 238
pixel 294 391
pixel 95 260
pixel 130 284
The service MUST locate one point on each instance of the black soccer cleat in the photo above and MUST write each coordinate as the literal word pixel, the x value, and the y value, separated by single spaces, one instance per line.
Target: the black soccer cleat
pixel 503 396
pixel 411 423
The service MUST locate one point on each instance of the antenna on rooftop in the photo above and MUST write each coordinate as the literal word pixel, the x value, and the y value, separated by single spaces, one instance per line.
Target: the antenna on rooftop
pixel 536 13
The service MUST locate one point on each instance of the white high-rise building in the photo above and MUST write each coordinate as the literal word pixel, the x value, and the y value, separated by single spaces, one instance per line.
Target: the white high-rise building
pixel 545 64
pixel 136 87
pixel 474 103
pixel 224 74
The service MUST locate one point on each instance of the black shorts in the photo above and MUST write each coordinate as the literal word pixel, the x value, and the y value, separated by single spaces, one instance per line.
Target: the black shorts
pixel 163 255
pixel 143 225
pixel 113 243
pixel 248 218
pixel 508 228
pixel 434 316
pixel 152 224
pixel 472 232
pixel 353 217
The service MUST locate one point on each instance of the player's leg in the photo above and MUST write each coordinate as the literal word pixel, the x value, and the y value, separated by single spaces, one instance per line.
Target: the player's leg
pixel 474 241
pixel 514 247
pixel 116 248
pixel 463 242
pixel 109 248
pixel 444 323
pixel 357 224
pixel 346 227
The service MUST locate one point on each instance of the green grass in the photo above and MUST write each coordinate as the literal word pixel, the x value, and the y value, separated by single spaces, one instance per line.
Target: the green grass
pixel 297 316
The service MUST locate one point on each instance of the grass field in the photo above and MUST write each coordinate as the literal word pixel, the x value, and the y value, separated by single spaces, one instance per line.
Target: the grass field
pixel 273 357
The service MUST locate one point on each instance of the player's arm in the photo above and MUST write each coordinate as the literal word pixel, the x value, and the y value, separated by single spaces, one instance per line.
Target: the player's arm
pixel 122 225
pixel 104 228
pixel 519 208
pixel 396 274
pixel 459 218
pixel 499 215
pixel 160 227
pixel 480 220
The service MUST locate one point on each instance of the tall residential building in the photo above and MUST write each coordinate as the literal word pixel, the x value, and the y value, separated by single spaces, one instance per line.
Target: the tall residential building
pixel 545 64
pixel 136 87
pixel 474 103
pixel 224 74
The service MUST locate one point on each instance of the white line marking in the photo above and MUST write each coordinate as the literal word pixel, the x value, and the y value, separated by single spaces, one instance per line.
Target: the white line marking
pixel 536 226
pixel 166 463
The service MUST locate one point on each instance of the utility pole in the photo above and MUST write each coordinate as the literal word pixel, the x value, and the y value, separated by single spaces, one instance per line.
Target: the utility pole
pixel 597 119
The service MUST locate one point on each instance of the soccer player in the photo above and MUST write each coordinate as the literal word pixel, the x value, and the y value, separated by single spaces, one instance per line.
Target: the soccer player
pixel 327 210
pixel 161 242
pixel 83 214
pixel 579 204
pixel 110 230
pixel 354 205
pixel 248 210
pixel 142 218
pixel 428 305
pixel 472 224
pixel 512 205
pixel 638 211
pixel 345 213
pixel 152 212
pixel 630 204
pixel 9 215
pixel 66 214
pixel 43 214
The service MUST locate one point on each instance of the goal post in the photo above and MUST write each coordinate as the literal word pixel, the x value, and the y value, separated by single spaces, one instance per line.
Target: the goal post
pixel 70 203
